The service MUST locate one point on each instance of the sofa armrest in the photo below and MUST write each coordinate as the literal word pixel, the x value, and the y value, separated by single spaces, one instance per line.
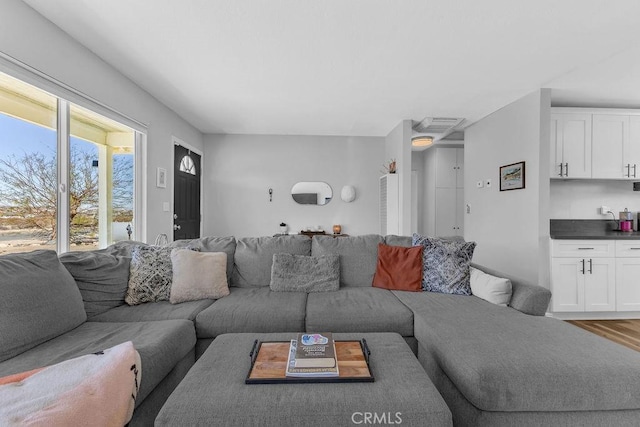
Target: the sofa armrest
pixel 527 298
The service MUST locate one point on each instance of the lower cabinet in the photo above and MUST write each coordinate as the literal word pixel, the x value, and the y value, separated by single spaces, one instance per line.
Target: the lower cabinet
pixel 583 284
pixel 628 284
pixel 595 275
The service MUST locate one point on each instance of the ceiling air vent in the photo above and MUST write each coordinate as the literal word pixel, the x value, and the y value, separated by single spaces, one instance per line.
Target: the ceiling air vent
pixel 437 125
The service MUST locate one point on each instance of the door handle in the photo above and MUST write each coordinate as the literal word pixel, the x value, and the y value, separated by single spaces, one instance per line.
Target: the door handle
pixel 566 169
pixel 582 266
pixel 561 169
pixel 628 170
pixel 176 227
pixel 590 266
pixel 634 170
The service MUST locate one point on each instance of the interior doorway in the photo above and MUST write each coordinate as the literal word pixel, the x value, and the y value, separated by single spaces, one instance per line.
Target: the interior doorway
pixel 186 193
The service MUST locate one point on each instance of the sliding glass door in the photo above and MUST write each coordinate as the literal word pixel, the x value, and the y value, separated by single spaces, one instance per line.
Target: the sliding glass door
pixel 67 174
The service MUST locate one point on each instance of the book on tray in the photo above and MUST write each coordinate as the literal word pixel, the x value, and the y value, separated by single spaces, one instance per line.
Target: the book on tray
pixel 312 355
pixel 315 351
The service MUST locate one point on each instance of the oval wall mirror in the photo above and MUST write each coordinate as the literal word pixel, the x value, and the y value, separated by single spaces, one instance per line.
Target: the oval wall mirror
pixel 312 193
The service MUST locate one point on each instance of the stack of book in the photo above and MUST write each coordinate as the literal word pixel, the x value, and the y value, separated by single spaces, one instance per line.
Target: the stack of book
pixel 312 355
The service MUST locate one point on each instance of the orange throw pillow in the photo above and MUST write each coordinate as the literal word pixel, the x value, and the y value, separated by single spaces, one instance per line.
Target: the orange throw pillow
pixel 399 268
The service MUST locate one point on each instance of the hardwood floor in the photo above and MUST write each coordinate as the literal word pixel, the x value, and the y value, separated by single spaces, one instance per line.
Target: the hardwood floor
pixel 625 332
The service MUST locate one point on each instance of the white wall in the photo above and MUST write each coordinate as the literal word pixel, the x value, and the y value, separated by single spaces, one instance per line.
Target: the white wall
pixel 240 169
pixel 30 38
pixel 511 228
pixel 398 147
pixel 581 199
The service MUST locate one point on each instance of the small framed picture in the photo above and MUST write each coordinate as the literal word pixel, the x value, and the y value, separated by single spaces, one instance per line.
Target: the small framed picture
pixel 512 177
pixel 161 178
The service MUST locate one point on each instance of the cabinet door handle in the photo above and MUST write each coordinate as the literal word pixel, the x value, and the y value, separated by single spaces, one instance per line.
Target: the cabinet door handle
pixel 566 169
pixel 628 170
pixel 634 249
pixel 586 249
pixel 561 169
pixel 590 266
pixel 634 170
pixel 582 266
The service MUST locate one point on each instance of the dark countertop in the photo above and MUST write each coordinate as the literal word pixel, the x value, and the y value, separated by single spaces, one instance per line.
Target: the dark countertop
pixel 589 229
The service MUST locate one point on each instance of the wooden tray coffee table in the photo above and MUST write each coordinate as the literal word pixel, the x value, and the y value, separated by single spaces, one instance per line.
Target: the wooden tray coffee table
pixel 269 363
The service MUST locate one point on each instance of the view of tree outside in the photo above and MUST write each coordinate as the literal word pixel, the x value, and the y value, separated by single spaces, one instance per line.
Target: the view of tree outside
pixel 29 187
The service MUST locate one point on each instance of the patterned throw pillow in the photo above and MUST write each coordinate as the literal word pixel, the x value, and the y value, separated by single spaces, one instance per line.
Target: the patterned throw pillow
pixel 150 275
pixel 445 266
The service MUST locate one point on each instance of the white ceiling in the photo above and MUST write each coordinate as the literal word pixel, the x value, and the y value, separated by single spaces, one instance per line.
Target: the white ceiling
pixel 358 67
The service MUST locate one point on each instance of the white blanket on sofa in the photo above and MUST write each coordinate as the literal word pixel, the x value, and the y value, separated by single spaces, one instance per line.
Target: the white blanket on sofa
pixel 93 390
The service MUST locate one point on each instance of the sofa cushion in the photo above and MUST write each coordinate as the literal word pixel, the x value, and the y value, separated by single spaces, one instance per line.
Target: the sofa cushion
pixel 198 275
pixel 152 311
pixel 399 268
pixel 253 310
pixel 39 300
pixel 445 265
pixel 211 244
pixel 101 277
pixel 504 360
pixel 393 240
pixel 301 273
pixel 150 275
pixel 161 346
pixel 358 256
pixel 254 256
pixel 358 309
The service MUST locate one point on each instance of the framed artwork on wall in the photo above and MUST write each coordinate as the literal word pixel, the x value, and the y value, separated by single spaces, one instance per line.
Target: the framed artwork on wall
pixel 161 178
pixel 512 177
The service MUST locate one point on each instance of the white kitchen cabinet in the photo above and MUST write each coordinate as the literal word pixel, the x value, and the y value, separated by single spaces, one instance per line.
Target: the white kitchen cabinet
pixel 600 284
pixel 595 275
pixel 628 275
pixel 583 284
pixel 628 284
pixel 583 275
pixel 571 145
pixel 567 284
pixel 611 148
pixel 632 152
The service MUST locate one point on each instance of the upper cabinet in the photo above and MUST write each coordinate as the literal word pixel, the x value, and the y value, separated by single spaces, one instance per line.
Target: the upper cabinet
pixel 571 145
pixel 595 143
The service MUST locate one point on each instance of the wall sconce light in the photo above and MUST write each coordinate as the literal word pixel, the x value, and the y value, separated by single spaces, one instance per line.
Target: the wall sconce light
pixel 348 193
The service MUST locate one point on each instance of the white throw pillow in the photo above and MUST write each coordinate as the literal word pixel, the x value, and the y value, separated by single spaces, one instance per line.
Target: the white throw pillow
pixel 496 290
pixel 198 275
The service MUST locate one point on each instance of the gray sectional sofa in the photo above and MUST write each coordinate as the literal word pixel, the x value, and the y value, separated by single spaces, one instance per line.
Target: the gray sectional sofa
pixel 493 365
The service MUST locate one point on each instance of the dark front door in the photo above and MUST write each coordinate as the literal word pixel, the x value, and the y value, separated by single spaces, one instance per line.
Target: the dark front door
pixel 186 194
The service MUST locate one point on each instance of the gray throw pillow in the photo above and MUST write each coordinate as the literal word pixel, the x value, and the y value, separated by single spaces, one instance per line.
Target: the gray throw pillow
pixel 254 256
pixel 445 266
pixel 40 301
pixel 102 278
pixel 300 273
pixel 150 275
